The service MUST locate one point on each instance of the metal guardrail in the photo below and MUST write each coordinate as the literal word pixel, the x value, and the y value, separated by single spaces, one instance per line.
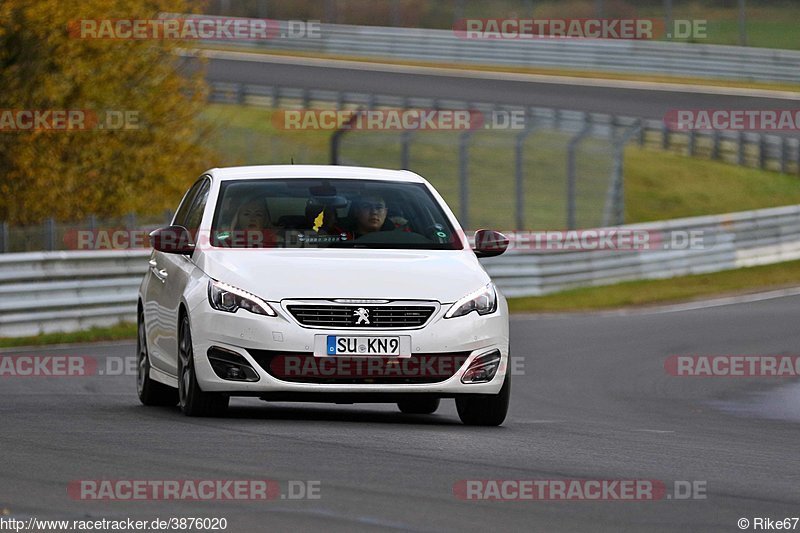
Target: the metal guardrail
pixel 43 292
pixel 631 56
pixel 753 149
pixel 730 241
pixel 68 291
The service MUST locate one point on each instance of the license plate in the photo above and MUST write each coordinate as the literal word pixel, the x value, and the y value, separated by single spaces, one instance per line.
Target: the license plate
pixel 337 345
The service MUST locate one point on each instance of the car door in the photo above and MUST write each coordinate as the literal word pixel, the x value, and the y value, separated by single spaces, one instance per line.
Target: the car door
pixel 170 273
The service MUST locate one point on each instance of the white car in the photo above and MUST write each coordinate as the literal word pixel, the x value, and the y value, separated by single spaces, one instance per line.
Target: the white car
pixel 322 284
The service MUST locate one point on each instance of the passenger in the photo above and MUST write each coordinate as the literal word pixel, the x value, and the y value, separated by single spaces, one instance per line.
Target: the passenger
pixel 250 215
pixel 251 226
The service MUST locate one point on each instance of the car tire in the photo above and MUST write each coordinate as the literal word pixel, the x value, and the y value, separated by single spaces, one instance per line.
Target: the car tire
pixel 151 392
pixel 419 406
pixel 193 401
pixel 485 409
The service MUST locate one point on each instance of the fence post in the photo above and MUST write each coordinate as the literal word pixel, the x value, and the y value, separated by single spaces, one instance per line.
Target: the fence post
pixel 715 146
pixel 742 24
pixel 668 18
pixel 336 138
pixel 784 154
pixel 762 151
pixel 331 15
pixel 519 170
pixel 740 147
pixel 599 9
pixel 463 177
pixel 50 234
pixel 4 245
pixel 572 172
pixel 240 93
pixel 615 199
pixel 405 149
pixel 665 136
pixel 395 14
pixel 692 141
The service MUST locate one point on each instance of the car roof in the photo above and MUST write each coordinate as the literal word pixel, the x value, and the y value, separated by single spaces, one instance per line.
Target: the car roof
pixel 313 171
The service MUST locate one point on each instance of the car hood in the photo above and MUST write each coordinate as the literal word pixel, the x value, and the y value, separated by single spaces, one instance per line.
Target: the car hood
pixel 276 275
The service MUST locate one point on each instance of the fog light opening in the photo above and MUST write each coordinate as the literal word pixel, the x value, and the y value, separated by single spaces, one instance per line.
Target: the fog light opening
pixel 231 366
pixel 482 369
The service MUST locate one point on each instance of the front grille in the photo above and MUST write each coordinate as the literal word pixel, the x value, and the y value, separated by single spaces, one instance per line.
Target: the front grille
pixel 302 367
pixel 357 316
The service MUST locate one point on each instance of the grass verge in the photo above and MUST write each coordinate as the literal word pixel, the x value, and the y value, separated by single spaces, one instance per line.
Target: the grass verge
pixel 651 292
pixel 121 331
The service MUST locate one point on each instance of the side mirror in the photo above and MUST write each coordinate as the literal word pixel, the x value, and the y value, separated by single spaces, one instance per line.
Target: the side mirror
pixel 489 243
pixel 172 240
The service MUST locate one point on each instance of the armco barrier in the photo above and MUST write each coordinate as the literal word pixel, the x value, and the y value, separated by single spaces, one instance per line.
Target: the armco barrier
pixel 68 291
pixel 631 56
pixel 43 292
pixel 728 241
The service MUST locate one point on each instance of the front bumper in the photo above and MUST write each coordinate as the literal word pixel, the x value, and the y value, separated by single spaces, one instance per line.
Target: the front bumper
pixel 251 336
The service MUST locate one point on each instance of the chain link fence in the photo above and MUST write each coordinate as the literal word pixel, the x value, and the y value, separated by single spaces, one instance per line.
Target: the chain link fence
pixel 558 172
pixel 92 233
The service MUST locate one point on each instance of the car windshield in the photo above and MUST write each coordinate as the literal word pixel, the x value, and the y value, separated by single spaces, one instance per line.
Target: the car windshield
pixel 330 213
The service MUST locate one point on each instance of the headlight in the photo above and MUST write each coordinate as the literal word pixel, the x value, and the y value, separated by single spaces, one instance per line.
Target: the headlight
pixel 484 301
pixel 224 297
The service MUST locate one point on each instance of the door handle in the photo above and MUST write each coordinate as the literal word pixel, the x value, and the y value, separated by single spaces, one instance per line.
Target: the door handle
pixel 157 272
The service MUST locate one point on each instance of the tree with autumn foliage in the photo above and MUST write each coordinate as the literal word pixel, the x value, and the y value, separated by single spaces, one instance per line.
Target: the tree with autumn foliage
pixel 70 174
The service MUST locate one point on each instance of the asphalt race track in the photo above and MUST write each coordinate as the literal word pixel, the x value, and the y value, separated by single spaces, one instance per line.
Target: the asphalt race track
pixel 594 402
pixel 646 103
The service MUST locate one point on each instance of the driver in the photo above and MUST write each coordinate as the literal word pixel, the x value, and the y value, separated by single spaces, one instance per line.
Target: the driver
pixel 370 214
